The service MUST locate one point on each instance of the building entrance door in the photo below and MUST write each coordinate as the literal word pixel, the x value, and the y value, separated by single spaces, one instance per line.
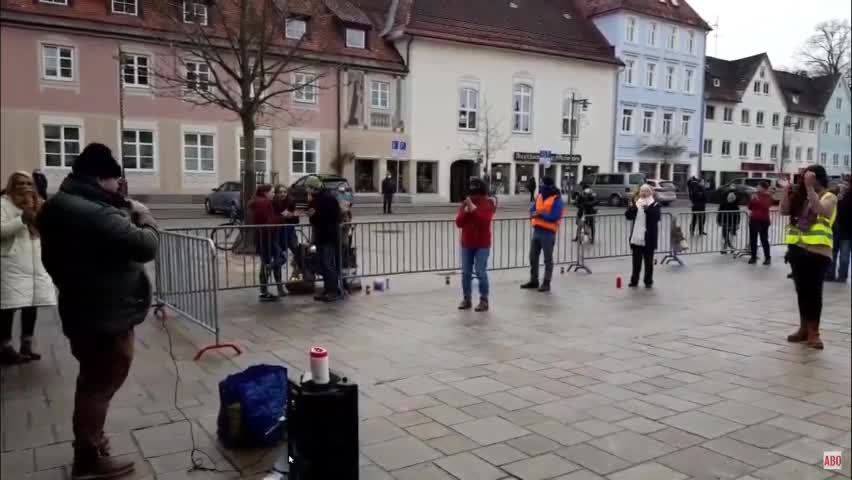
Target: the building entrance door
pixel 460 173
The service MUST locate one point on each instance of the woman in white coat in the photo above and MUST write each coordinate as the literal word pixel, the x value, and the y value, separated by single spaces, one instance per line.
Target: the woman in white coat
pixel 24 283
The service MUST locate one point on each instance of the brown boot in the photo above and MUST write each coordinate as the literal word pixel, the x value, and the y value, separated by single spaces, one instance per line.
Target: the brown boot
pixel 89 465
pixel 800 336
pixel 813 337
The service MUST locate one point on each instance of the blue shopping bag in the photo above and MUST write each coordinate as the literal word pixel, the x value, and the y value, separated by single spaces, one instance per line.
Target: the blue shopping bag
pixel 253 407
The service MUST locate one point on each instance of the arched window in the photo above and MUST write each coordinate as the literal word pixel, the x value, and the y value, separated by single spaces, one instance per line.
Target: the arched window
pixel 468 108
pixel 522 108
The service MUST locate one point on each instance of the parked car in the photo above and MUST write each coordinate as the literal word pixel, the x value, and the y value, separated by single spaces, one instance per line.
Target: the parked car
pixel 775 188
pixel 223 198
pixel 665 191
pixel 614 188
pixel 299 194
pixel 740 186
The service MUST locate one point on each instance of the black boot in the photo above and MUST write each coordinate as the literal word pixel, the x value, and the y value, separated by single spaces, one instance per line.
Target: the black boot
pixel 465 304
pixel 531 285
pixel 89 465
pixel 27 350
pixel 545 287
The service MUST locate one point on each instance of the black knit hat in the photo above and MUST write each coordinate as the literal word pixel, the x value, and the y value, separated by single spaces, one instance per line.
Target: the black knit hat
pixel 96 161
pixel 548 180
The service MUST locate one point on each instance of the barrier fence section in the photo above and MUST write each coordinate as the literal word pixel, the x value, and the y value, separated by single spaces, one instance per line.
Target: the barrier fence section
pixel 187 280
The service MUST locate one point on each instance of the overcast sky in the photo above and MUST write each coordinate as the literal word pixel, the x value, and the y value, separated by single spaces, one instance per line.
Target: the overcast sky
pixel 778 27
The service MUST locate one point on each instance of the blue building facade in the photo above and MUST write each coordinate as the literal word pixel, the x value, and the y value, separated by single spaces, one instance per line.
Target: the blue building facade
pixel 835 135
pixel 659 104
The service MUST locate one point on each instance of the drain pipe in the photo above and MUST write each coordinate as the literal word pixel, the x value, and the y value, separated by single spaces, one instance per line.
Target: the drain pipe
pixel 339 120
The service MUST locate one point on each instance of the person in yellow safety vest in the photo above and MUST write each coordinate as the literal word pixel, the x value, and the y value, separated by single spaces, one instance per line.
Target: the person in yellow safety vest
pixel 546 214
pixel 812 210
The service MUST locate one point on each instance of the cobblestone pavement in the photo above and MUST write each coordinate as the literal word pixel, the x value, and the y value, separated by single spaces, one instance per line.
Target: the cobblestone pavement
pixel 692 379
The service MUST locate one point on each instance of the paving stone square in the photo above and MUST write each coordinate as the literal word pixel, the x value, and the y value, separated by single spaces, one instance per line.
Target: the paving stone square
pixel 588 382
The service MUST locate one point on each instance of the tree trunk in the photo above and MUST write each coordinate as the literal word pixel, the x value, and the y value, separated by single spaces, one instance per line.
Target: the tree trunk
pixel 244 243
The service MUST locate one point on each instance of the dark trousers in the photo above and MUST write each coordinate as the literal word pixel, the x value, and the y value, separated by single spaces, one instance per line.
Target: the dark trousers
pixel 104 365
pixel 542 242
pixel 698 219
pixel 808 276
pixel 728 234
pixel 587 221
pixel 388 203
pixel 757 228
pixel 271 260
pixel 642 255
pixel 28 321
pixel 329 264
pixel 532 195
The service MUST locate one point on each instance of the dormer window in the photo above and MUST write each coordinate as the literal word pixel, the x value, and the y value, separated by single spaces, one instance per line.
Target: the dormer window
pixel 124 7
pixel 296 28
pixel 795 99
pixel 356 38
pixel 762 72
pixel 194 12
pixel 716 82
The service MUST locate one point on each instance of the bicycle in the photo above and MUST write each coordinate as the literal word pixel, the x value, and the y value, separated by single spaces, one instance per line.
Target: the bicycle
pixel 226 235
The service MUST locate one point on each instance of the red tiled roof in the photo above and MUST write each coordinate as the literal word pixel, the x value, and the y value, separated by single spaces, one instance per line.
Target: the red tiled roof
pixel 665 9
pixel 325 38
pixel 553 27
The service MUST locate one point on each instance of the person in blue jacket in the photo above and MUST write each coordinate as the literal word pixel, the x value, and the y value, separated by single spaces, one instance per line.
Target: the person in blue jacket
pixel 546 214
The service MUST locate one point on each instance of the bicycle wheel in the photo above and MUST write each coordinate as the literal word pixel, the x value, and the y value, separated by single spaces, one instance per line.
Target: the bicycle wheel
pixel 225 236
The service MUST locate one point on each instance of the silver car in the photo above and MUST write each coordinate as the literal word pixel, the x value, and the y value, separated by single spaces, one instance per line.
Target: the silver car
pixel 665 191
pixel 614 188
pixel 223 198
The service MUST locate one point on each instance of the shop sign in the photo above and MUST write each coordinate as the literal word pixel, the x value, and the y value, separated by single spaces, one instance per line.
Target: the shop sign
pixel 554 157
pixel 757 167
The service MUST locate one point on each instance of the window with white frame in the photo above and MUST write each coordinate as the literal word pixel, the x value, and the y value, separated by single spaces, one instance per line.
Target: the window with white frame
pixel 728 114
pixel 671 39
pixel 304 158
pixel 356 38
pixel 569 118
pixel 57 62
pixel 810 154
pixel 195 12
pixel 468 108
pixel 800 123
pixel 776 119
pixel 124 7
pixel 651 75
pixel 684 125
pixel 837 129
pixel 708 146
pixel 762 72
pixel 135 70
pixel 668 119
pixel 630 30
pixel 758 150
pixel 766 88
pixel 758 119
pixel 745 116
pixel 757 86
pixel 629 71
pixel 688 80
pixel 812 124
pixel 717 82
pixel 690 42
pixel 261 153
pixel 835 159
pixel 137 149
pixel 670 77
pixel 380 94
pixel 61 144
pixel 295 28
pixel 199 152
pixel 839 103
pixel 627 120
pixel 710 112
pixel 822 157
pixel 652 34
pixel 825 127
pixel 648 121
pixel 522 108
pixel 743 149
pixel 798 154
pixel 54 2
pixel 305 84
pixel 848 130
pixel 773 152
pixel 197 76
pixel 845 160
pixel 726 148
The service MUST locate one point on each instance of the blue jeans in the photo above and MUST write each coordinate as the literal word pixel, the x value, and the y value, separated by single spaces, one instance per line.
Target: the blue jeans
pixel 841 258
pixel 475 260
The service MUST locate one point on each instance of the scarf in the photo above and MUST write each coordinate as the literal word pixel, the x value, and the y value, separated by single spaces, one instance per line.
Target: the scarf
pixel 639 223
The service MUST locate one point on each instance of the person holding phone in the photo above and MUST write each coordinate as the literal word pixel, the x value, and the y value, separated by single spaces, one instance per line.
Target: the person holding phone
pixel 813 211
pixel 645 214
pixel 474 220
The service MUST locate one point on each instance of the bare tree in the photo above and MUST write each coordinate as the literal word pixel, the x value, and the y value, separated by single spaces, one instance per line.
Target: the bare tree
pixel 827 51
pixel 488 139
pixel 232 54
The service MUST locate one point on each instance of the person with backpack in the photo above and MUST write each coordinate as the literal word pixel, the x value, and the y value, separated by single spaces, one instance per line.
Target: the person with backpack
pixel 546 214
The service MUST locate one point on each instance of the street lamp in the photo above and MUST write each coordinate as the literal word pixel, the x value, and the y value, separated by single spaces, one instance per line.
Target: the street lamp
pixel 573 127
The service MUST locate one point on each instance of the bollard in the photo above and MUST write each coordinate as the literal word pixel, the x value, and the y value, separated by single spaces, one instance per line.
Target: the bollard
pixel 387 283
pixel 618 282
pixel 447 280
pixel 368 290
pixel 561 270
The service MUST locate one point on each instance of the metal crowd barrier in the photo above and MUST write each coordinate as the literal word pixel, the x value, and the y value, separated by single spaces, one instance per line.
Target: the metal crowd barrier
pixel 187 283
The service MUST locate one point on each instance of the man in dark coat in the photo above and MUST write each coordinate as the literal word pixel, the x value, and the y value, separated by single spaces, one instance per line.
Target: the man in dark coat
pixel 698 197
pixel 326 218
pixel 40 183
pixel 95 244
pixel 388 189
pixel 531 188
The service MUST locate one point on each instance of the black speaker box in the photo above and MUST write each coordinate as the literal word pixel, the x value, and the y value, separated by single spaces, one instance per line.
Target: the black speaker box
pixel 322 425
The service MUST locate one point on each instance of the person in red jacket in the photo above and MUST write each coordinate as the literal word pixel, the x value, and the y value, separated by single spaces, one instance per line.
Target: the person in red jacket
pixel 266 242
pixel 758 224
pixel 474 219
